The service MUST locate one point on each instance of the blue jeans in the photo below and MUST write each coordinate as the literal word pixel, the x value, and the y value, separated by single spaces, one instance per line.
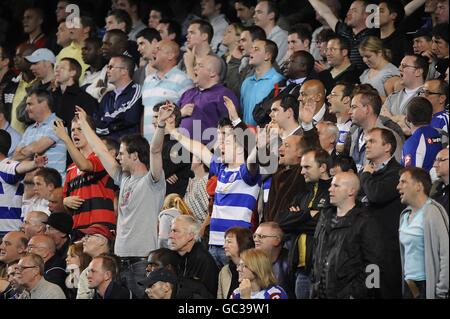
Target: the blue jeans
pixel 219 255
pixel 302 285
pixel 130 275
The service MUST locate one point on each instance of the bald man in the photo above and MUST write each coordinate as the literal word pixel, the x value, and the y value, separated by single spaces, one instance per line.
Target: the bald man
pixel 313 92
pixel 33 224
pixel 12 247
pixel 442 168
pixel 202 107
pixel 55 201
pixel 347 242
pixel 168 83
pixel 54 266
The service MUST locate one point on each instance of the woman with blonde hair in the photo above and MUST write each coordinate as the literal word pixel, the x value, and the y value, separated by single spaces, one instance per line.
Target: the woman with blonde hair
pixel 173 206
pixel 381 74
pixel 231 39
pixel 256 277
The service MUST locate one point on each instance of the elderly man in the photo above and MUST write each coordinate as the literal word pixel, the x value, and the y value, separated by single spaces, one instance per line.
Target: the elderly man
pixel 34 224
pixel 442 189
pixel 59 228
pixel 203 107
pixel 54 266
pixel 347 240
pixel 196 261
pixel 31 276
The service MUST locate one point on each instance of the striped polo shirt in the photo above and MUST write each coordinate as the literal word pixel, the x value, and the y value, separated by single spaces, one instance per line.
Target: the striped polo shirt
pixel 11 192
pixel 156 90
pixel 234 201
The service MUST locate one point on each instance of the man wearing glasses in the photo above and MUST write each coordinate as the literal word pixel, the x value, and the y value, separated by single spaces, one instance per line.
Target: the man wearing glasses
pixel 436 91
pixel 442 189
pixel 30 272
pixel 119 112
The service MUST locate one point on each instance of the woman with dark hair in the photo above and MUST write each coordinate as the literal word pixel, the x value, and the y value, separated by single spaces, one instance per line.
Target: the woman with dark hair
pixel 237 239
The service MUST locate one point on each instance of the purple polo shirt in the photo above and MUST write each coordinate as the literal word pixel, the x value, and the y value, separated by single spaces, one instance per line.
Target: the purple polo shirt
pixel 208 111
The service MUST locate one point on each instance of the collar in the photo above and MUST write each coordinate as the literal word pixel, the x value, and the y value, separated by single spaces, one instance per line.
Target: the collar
pixel 47 121
pixel 275 29
pixel 293 131
pixel 296 81
pixel 265 76
pixel 380 166
pixel 6 127
pixel 217 19
pixel 319 115
pixel 119 91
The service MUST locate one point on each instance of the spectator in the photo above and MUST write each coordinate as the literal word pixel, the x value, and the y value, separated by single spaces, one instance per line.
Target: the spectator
pixel 413 71
pixel 203 106
pixel 212 11
pixel 299 39
pixel 97 241
pixel 196 196
pixel 158 12
pixel 198 40
pixel 284 113
pixel 55 201
pixel 9 287
pixel 42 62
pixel 12 247
pixel 421 148
pixel 347 241
pixel 63 35
pixel 132 8
pixel 301 220
pixel 256 278
pixel 147 41
pixel 173 206
pixel 255 88
pixel 78 35
pixel 89 192
pixel 322 42
pixel 33 18
pixel 231 39
pixel 342 163
pixel 439 55
pixel 392 14
pixel 95 81
pixel 441 13
pixel 364 112
pixel 379 180
pixel 45 181
pixel 313 92
pixel 237 239
pixel 195 262
pixel 103 278
pixel 169 30
pixel 77 261
pixel 177 172
pixel 61 13
pixel 34 224
pixel 245 10
pixel 342 70
pixel 239 68
pixel 340 100
pixel 54 266
pixel 13 134
pixel 119 111
pixel 436 91
pixel 163 258
pixel 442 189
pixel 59 228
pixel 355 28
pixel 422 41
pixel 31 276
pixel 268 237
pixel 168 83
pixel 68 93
pixel 118 19
pixel 423 238
pixel 381 74
pixel 142 189
pixel 266 16
pixel 7 81
pixel 161 284
pixel 328 136
pixel 115 42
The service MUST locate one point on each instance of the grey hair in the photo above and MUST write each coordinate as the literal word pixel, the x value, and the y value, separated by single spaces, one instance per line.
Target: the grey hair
pixel 192 225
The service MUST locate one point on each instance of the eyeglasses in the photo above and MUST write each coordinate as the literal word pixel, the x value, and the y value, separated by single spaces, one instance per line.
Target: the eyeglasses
pixel 110 67
pixel 403 66
pixel 22 268
pixel 427 92
pixel 439 160
pixel 261 236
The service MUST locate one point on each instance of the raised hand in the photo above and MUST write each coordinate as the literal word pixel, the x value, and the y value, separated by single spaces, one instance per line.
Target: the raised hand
pixel 307 110
pixel 60 130
pixel 80 114
pixel 245 288
pixel 165 112
pixel 232 113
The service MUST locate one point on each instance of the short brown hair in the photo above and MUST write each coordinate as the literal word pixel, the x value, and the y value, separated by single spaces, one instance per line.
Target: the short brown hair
pixel 369 96
pixel 387 137
pixel 244 237
pixel 420 176
pixel 74 65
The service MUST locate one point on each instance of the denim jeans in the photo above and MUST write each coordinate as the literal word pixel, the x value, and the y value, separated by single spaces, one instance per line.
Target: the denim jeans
pixel 302 285
pixel 219 255
pixel 131 274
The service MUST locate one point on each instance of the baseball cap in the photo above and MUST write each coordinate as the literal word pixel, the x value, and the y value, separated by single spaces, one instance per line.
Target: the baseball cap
pixel 161 274
pixel 41 55
pixel 60 221
pixel 423 32
pixel 98 229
